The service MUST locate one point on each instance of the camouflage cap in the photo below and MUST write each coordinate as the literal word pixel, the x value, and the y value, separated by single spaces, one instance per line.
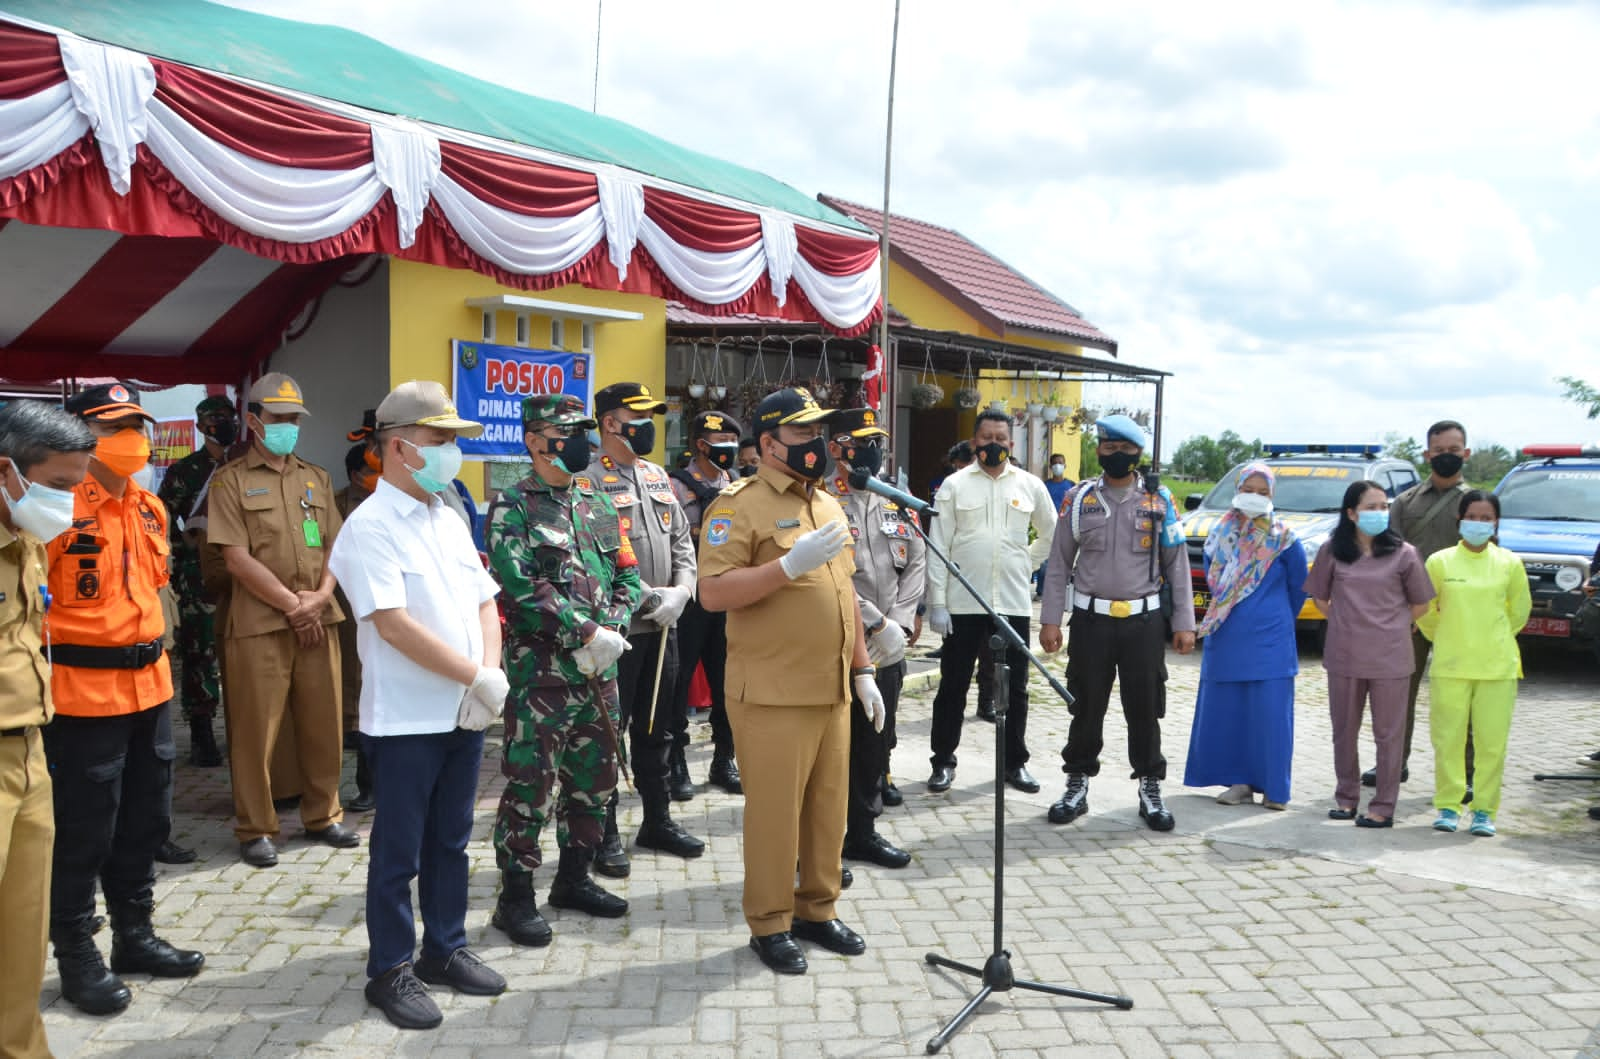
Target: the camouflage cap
pixel 555 409
pixel 215 405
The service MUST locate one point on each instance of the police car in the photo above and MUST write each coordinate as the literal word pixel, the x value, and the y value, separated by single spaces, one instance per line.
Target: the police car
pixel 1550 517
pixel 1311 480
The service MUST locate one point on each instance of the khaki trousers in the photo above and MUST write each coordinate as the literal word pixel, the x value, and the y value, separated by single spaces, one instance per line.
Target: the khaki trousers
pixel 266 678
pixel 27 834
pixel 794 762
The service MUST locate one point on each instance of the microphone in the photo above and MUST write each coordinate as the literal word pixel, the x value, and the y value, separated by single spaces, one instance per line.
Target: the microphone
pixel 861 480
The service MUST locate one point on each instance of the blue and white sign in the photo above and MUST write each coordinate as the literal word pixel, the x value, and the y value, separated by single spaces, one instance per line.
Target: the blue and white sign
pixel 491 381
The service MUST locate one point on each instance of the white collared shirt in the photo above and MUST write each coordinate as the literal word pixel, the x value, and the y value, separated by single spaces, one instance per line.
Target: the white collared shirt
pixel 398 553
pixel 982 524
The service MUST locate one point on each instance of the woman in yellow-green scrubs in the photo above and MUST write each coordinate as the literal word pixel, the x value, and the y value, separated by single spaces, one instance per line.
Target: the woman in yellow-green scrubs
pixel 1480 605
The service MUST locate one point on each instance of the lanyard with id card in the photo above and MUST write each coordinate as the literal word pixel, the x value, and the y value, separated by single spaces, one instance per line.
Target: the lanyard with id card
pixel 312 531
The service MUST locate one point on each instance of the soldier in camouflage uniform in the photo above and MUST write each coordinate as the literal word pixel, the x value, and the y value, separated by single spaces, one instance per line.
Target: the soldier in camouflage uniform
pixel 181 491
pixel 571 583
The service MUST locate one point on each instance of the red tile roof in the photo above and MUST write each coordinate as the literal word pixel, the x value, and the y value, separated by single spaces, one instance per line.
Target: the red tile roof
pixel 975 280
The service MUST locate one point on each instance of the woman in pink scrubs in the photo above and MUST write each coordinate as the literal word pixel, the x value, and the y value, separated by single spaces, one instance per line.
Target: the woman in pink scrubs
pixel 1372 586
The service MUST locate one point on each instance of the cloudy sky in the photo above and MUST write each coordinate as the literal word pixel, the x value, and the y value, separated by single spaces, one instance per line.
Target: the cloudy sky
pixel 1329 220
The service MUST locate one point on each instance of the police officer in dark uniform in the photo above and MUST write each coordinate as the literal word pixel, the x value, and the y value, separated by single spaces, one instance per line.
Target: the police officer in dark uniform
pixel 1115 544
pixel 891 571
pixel 652 520
pixel 703 636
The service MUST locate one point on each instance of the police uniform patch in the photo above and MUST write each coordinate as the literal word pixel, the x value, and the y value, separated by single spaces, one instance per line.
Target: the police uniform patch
pixel 898 548
pixel 583 482
pixel 717 530
pixel 666 518
pixel 719 512
pixel 623 499
pixel 610 478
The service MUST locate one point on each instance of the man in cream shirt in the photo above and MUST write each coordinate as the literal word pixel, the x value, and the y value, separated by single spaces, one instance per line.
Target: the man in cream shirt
pixel 984 512
pixel 429 639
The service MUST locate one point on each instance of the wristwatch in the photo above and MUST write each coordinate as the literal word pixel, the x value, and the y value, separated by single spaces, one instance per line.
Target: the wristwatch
pixel 864 671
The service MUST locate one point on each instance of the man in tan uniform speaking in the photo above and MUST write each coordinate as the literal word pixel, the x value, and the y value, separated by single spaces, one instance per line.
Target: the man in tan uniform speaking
pixel 272 514
pixel 772 554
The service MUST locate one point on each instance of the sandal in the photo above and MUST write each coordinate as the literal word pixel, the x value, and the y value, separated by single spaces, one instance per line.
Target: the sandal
pixel 1371 821
pixel 1342 814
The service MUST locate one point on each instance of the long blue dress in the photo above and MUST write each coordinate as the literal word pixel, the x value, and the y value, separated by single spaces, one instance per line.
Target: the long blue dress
pixel 1243 730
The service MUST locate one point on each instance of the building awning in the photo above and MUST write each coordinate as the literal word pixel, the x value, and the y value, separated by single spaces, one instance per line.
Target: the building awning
pixel 191 121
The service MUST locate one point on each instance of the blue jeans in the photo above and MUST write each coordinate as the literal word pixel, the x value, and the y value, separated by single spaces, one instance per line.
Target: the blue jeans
pixel 425 787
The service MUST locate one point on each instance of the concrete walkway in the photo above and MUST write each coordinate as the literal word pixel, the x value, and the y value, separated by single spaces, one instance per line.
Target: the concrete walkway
pixel 1243 932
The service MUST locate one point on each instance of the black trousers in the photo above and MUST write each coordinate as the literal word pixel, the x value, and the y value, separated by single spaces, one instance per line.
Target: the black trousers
pixel 113 803
pixel 647 748
pixel 1132 651
pixel 969 632
pixel 869 755
pixel 702 638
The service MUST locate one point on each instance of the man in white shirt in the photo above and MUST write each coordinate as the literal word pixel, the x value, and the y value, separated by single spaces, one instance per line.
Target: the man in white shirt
pixel 429 640
pixel 984 511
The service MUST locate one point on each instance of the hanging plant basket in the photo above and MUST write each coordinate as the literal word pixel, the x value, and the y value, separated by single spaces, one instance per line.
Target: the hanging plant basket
pixel 697 390
pixel 967 398
pixel 925 394
pixel 1050 413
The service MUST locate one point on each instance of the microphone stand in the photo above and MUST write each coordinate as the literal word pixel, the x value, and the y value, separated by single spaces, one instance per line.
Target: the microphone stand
pixel 996 974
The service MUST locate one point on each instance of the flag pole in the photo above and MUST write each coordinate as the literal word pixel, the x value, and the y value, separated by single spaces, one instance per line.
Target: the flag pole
pixel 888 364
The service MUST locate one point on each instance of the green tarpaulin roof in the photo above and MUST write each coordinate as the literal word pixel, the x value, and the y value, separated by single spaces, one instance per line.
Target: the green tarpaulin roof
pixel 341 64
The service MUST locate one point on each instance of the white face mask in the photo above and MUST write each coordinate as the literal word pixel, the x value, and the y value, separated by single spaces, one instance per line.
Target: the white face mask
pixel 1058 470
pixel 44 512
pixel 1253 505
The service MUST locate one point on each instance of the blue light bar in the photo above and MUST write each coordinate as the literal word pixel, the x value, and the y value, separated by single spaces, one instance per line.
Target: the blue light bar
pixel 1368 451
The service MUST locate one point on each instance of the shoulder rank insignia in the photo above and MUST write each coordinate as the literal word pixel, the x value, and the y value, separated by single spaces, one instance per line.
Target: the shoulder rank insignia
pixel 730 490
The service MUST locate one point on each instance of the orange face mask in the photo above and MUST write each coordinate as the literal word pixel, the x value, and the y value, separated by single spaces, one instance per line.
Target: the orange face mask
pixel 125 452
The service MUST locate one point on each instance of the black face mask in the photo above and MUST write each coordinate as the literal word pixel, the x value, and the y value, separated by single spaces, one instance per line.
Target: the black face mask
pixel 1446 464
pixel 223 431
pixel 809 460
pixel 867 456
pixel 640 436
pixel 722 455
pixel 992 454
pixel 747 471
pixel 572 453
pixel 1119 464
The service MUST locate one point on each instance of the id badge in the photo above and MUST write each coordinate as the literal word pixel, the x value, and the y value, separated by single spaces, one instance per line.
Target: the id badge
pixel 313 533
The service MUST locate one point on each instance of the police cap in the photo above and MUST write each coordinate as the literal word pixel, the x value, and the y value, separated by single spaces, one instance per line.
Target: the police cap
pixel 857 422
pixel 713 422
pixel 630 395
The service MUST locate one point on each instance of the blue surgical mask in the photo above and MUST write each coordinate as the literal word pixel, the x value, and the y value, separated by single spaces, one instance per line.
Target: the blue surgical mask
pixel 440 464
pixel 280 438
pixel 1476 534
pixel 1372 523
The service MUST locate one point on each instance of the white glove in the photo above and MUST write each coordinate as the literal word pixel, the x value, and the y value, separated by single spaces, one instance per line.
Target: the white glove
pixel 670 609
pixel 871 700
pixel 485 699
pixel 939 620
pixel 813 549
pixel 601 652
pixel 888 645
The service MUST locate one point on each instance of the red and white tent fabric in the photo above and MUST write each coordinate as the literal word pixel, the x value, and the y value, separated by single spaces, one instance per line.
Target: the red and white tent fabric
pixel 156 164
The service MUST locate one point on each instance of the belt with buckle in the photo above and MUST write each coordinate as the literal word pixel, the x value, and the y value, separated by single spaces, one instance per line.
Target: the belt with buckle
pixel 1118 608
pixel 134 656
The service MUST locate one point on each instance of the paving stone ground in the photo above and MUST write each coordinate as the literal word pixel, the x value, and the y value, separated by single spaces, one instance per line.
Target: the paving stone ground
pixel 1243 932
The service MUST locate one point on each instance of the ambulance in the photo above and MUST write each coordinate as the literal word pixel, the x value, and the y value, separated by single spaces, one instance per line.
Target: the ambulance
pixel 1311 480
pixel 1550 517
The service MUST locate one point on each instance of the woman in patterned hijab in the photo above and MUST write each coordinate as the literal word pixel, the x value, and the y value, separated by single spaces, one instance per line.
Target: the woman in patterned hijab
pixel 1243 732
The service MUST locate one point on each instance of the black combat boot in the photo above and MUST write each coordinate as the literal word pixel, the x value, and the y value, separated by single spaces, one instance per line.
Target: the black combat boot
pixel 725 773
pixel 135 949
pixel 573 889
pixel 517 910
pixel 661 832
pixel 612 860
pixel 362 802
pixel 85 981
pixel 678 782
pixel 203 751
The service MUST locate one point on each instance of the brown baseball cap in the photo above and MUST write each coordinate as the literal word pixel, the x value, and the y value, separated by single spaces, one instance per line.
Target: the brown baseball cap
pixel 425 404
pixel 275 392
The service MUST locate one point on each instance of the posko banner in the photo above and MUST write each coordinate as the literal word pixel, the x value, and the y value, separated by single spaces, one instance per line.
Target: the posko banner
pixel 491 381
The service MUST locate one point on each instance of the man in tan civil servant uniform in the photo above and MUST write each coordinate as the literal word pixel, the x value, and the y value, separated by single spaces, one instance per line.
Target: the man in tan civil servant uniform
pixel 274 518
pixel 772 554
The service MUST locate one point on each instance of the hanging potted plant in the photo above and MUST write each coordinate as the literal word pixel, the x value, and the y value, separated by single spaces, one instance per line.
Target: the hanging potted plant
pixel 925 393
pixel 1035 404
pixel 967 396
pixel 1051 410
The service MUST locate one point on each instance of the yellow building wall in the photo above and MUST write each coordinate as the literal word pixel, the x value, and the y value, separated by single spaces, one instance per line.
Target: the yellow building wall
pixel 428 308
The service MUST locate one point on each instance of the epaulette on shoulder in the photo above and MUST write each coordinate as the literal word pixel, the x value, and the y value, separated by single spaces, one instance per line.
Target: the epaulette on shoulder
pixel 738 484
